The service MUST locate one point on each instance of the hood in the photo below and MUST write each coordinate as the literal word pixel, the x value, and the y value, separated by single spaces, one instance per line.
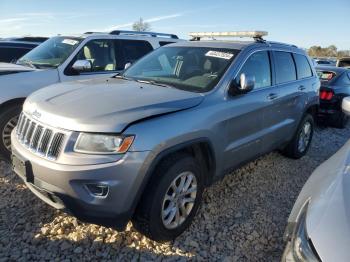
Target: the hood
pixel 108 105
pixel 9 68
pixel 328 216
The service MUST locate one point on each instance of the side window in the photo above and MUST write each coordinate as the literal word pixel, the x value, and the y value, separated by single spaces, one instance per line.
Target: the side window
pixel 285 67
pixel 163 43
pixel 134 49
pixel 258 65
pixel 303 66
pixel 101 54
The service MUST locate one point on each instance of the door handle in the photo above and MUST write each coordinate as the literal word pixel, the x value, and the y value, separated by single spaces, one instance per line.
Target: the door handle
pixel 301 88
pixel 272 96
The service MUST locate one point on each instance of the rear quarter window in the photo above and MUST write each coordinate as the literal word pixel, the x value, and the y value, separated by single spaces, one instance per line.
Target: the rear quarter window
pixel 303 66
pixel 285 67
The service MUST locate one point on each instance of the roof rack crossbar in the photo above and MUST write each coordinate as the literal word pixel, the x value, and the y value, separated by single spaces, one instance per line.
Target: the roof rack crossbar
pixel 256 35
pixel 152 34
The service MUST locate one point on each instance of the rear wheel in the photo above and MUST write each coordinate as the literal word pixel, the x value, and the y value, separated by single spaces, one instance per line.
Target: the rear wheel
pixel 171 200
pixel 8 121
pixel 301 141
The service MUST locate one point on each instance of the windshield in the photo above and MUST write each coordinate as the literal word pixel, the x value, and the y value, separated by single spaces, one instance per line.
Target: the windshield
pixel 196 69
pixel 51 53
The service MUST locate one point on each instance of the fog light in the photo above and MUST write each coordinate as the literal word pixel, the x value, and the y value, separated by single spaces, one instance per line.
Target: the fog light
pixel 97 190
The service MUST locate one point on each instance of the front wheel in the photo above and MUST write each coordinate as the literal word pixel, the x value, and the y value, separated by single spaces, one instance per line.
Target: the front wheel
pixel 301 141
pixel 8 121
pixel 171 200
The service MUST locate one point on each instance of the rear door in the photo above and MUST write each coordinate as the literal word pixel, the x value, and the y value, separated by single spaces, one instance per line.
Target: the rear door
pixel 286 101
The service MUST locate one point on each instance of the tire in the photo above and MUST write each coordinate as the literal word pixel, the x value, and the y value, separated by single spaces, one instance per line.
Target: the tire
pixel 341 121
pixel 8 120
pixel 294 149
pixel 149 218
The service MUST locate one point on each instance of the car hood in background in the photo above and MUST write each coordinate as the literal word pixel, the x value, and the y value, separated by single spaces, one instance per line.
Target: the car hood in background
pixel 9 68
pixel 107 105
pixel 328 216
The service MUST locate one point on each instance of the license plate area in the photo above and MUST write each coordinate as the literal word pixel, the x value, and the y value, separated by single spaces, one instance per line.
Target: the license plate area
pixel 22 168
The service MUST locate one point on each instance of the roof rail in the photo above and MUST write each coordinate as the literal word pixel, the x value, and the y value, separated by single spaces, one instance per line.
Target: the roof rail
pixel 152 34
pixel 256 35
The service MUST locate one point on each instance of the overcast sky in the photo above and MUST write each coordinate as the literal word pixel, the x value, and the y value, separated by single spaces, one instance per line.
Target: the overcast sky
pixel 304 23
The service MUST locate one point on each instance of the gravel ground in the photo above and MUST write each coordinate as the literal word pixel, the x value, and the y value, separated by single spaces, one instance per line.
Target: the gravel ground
pixel 242 218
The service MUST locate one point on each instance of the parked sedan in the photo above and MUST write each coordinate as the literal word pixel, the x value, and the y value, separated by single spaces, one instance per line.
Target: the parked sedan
pixel 335 85
pixel 319 224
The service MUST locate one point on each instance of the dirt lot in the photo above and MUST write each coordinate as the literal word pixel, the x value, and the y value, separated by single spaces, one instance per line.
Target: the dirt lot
pixel 242 217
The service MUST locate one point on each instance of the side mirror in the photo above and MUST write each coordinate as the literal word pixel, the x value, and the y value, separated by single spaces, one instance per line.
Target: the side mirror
pixel 82 66
pixel 346 105
pixel 127 65
pixel 245 85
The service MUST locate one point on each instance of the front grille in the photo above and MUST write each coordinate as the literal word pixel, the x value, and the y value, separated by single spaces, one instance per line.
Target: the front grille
pixel 39 139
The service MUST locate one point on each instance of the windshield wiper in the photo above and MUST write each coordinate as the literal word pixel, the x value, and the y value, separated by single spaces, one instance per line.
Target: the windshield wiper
pixel 152 82
pixel 123 77
pixel 26 62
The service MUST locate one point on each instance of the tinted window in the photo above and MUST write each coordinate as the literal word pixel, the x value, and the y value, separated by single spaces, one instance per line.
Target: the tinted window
pixel 303 66
pixel 285 68
pixel 133 50
pixel 11 54
pixel 162 43
pixel 258 65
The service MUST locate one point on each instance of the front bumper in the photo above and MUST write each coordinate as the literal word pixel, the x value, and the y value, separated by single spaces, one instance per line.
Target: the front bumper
pixel 65 186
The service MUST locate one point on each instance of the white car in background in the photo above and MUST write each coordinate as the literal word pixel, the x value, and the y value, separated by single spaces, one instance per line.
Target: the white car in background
pixel 319 224
pixel 68 58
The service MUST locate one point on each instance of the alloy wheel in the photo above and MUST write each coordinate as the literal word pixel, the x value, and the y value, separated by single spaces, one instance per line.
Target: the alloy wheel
pixel 179 200
pixel 304 137
pixel 6 132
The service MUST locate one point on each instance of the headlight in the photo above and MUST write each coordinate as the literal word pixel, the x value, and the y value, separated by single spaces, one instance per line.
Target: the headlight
pixel 300 248
pixel 102 144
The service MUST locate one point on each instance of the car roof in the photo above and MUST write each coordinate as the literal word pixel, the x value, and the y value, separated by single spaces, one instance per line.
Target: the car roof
pixel 239 45
pixel 335 69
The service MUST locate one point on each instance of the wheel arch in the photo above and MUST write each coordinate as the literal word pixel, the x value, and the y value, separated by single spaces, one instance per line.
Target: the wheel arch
pixel 15 101
pixel 201 149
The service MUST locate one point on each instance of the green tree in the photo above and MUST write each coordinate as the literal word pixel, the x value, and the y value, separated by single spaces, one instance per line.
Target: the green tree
pixel 141 25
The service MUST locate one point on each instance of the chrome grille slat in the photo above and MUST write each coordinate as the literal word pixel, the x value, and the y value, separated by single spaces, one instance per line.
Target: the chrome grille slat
pixel 55 146
pixel 25 129
pixel 42 148
pixel 40 139
pixel 37 135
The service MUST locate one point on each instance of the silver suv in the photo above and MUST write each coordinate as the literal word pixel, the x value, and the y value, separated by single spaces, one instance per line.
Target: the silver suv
pixel 68 58
pixel 143 145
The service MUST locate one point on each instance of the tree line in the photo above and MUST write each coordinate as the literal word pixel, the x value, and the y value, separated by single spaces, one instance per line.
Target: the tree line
pixel 330 51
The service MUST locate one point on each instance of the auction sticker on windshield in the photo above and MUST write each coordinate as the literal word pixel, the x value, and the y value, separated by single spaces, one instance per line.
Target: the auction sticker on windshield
pixel 69 41
pixel 218 54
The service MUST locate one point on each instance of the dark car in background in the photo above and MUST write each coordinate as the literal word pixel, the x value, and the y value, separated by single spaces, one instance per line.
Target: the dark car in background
pixel 335 85
pixel 12 49
pixel 344 62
